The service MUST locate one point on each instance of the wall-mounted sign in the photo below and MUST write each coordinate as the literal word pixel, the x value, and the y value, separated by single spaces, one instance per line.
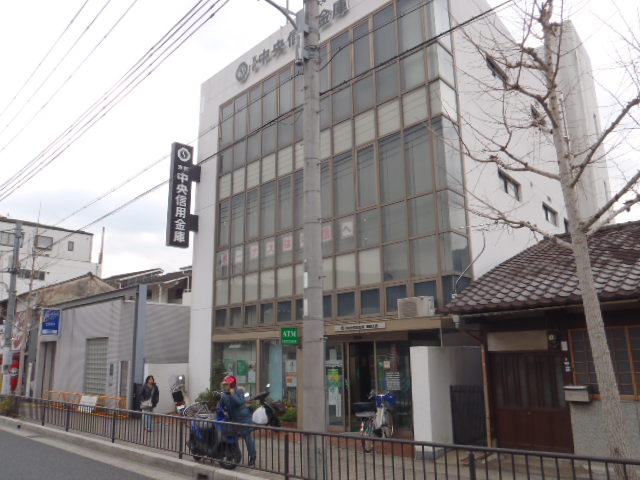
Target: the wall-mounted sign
pixel 179 219
pixel 290 336
pixel 360 327
pixel 50 321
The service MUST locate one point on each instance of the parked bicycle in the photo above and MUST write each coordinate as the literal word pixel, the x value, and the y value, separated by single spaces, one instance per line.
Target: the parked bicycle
pixel 376 418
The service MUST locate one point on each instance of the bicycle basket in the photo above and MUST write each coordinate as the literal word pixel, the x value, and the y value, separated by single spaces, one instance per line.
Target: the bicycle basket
pixel 388 398
pixel 363 407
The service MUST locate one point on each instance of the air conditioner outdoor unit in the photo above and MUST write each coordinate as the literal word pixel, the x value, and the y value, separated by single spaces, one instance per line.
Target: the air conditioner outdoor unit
pixel 413 307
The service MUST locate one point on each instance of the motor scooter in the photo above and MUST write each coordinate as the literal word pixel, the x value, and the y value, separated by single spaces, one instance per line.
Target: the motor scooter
pixel 178 390
pixel 271 415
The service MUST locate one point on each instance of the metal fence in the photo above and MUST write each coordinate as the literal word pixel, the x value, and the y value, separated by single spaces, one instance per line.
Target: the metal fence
pixel 289 453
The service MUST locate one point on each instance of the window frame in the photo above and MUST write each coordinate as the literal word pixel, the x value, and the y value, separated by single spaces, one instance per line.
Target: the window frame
pixel 508 182
pixel 550 214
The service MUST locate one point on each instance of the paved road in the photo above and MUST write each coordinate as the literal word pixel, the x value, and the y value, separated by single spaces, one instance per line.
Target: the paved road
pixel 27 455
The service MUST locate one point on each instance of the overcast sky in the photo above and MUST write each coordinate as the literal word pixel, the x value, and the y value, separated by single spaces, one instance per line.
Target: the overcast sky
pixel 163 109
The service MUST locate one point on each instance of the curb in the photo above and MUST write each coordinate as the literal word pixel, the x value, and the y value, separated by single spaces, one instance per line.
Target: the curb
pixel 157 460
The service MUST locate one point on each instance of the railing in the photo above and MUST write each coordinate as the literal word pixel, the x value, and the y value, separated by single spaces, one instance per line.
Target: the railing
pixel 289 453
pixel 72 397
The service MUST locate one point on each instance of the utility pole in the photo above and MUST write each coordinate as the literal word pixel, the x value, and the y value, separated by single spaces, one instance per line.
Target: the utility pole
pixel 7 356
pixel 314 411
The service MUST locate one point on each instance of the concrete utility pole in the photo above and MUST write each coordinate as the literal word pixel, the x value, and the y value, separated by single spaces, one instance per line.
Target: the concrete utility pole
pixel 7 356
pixel 313 346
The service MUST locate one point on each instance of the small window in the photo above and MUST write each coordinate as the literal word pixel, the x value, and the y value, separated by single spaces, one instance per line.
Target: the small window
pixel 496 70
pixel 70 246
pixel 550 214
pixel 509 185
pixel 43 242
pixel 566 226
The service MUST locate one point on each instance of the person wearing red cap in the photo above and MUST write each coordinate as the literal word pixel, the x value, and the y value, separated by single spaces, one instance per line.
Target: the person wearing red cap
pixel 233 401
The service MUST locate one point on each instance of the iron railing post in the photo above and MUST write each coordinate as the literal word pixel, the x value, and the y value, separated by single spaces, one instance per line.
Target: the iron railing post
pixel 286 456
pixel 113 426
pixel 180 438
pixel 44 412
pixel 67 417
pixel 472 466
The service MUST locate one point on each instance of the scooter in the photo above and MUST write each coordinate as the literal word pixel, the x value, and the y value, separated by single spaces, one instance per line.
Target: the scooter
pixel 215 441
pixel 271 415
pixel 178 392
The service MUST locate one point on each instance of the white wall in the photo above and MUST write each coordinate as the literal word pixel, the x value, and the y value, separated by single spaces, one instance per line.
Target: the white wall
pixel 433 371
pixel 162 372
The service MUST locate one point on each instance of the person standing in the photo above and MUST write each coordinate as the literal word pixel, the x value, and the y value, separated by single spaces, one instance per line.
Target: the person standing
pixel 233 401
pixel 149 397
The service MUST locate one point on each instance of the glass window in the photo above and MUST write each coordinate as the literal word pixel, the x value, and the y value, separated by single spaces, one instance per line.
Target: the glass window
pixel 222 292
pixel 268 257
pixel 286 205
pixel 325 190
pixel 418 152
pixel 285 248
pixel 440 63
pixel 363 94
pixel 412 68
pixel 299 276
pixel 285 131
pixel 299 308
pixel 346 304
pixel 221 318
pixel 388 117
pixel 369 266
pixel 236 316
pixel 394 294
pixel 267 208
pixel 342 137
pixel 341 59
pixel 325 112
pixel 443 100
pixel 361 52
pixel 224 186
pixel 226 131
pixel 384 35
pixel 253 147
pixel 341 104
pixel 297 202
pixel 251 315
pixel 447 153
pixel 396 265
pixel 326 306
pixel 269 167
pixel 391 169
pixel 425 256
pixel 255 108
pixel 238 181
pixel 269 105
pixel 225 158
pixel 343 182
pixel 235 290
pixel 345 235
pixel 266 313
pixel 251 219
pixel 222 264
pixel 238 259
pixel 285 281
pixel 298 245
pixel 267 284
pixel 414 106
pixel 451 210
pixel 285 91
pixel 240 118
pixel 237 219
pixel 327 238
pixel 297 125
pixel 451 284
pixel 239 359
pixel 455 252
pixel 325 144
pixel 410 23
pixel 284 311
pixel 438 18
pixel 346 270
pixel 394 222
pixel 224 214
pixel 422 219
pixel 368 228
pixel 327 271
pixel 370 301
pixel 387 82
pixel 285 161
pixel 251 287
pixel 239 154
pixel 426 289
pixel 367 193
pixel 365 125
pixel 253 174
pixel 269 139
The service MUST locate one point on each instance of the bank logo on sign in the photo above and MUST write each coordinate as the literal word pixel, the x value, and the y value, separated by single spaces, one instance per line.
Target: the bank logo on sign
pixel 50 321
pixel 289 336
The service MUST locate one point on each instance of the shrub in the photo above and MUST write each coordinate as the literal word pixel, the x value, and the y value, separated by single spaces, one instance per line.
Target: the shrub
pixel 209 397
pixel 218 372
pixel 290 415
pixel 9 407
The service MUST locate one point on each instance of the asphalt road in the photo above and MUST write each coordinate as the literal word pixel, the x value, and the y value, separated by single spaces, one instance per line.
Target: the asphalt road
pixel 27 455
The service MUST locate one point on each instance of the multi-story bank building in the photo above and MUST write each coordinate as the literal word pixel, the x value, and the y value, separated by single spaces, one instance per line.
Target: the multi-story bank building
pixel 400 97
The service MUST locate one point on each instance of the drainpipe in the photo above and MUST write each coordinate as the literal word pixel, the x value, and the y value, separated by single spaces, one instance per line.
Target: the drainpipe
pixel 137 357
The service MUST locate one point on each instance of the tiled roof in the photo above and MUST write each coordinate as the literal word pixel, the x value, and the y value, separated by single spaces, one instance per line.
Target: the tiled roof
pixel 545 275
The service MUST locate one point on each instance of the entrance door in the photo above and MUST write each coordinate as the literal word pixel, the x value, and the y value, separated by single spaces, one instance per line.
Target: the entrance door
pixel 530 412
pixel 361 374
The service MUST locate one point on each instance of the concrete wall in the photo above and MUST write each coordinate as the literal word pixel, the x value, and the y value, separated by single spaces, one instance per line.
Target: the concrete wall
pixel 163 372
pixel 433 371
pixel 589 437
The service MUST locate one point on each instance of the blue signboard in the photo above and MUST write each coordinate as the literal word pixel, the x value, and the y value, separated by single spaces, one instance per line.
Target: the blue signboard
pixel 50 321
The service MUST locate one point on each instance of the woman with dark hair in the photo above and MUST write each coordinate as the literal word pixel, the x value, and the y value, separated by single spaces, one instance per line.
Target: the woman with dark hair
pixel 149 397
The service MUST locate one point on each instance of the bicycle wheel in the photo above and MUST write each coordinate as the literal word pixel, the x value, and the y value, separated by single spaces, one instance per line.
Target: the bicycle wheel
pixel 368 432
pixel 195 409
pixel 232 456
pixel 387 424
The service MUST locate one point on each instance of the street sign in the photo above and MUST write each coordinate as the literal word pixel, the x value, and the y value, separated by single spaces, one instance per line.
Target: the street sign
pixel 50 321
pixel 289 336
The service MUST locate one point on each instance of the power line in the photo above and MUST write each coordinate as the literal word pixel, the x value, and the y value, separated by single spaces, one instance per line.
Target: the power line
pixel 103 105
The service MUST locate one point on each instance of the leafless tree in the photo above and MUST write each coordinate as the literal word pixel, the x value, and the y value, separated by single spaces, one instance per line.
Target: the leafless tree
pixel 522 128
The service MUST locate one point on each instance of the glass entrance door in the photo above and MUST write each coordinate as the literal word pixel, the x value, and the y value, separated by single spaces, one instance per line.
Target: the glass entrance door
pixel 334 369
pixel 361 370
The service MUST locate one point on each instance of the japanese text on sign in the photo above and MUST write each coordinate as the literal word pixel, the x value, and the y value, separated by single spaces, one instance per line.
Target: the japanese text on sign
pixel 179 219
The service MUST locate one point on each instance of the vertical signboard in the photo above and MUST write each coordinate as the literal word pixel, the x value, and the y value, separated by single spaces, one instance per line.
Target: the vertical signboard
pixel 50 322
pixel 179 219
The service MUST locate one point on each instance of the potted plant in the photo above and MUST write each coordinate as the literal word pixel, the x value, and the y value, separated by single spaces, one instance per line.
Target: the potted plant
pixel 289 418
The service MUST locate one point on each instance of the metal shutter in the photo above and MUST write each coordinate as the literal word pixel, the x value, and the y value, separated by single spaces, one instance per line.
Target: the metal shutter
pixel 95 366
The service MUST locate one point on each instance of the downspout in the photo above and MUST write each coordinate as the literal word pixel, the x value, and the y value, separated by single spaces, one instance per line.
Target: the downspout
pixel 137 357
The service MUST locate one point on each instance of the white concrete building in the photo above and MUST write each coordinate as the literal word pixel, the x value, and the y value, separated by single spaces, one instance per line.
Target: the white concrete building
pixel 49 254
pixel 394 108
